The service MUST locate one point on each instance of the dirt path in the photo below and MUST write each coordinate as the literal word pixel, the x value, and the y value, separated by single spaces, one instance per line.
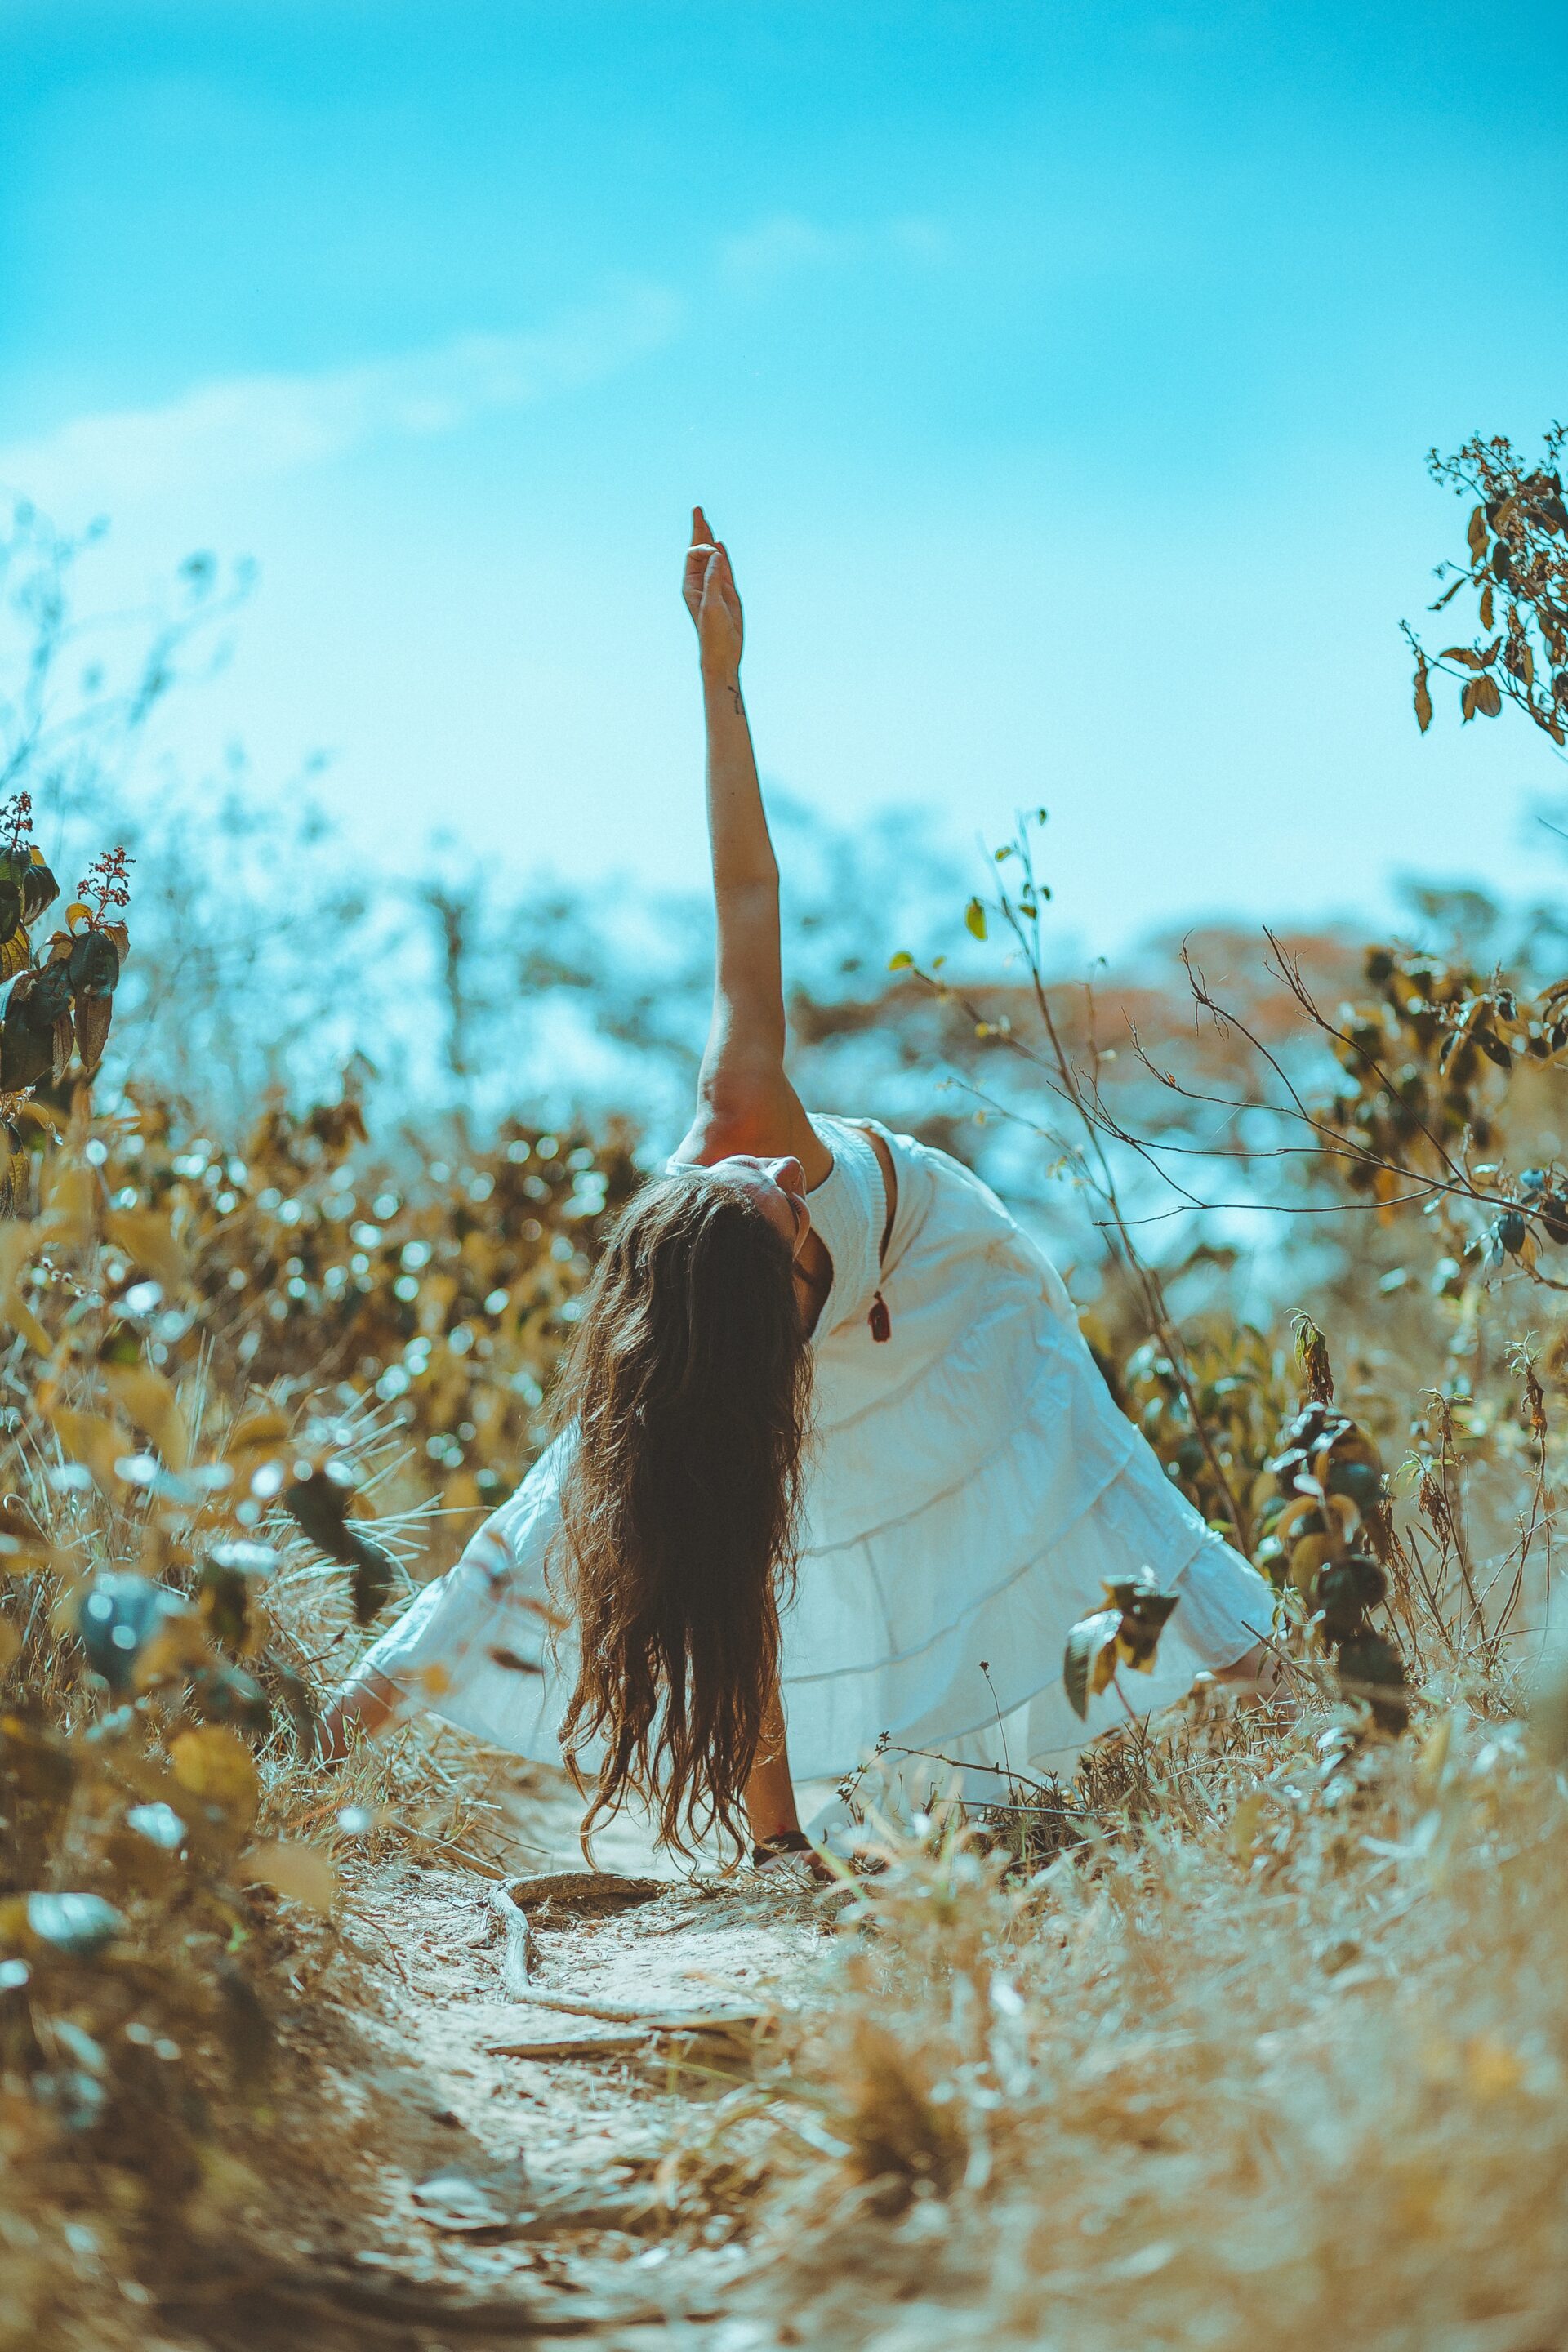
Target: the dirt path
pixel 529 2185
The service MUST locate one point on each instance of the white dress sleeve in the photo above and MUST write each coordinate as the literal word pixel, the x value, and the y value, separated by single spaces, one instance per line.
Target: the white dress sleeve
pixel 486 1646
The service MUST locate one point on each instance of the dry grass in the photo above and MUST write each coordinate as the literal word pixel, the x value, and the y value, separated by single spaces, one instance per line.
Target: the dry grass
pixel 1290 2070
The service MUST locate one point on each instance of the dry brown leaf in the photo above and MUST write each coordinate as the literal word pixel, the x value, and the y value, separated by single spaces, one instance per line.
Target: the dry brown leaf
pixel 147 1398
pixel 147 1237
pixel 70 1204
pixel 216 1765
pixel 1244 1824
pixel 265 1430
pixel 19 1243
pixel 179 1647
pixel 304 1873
pixel 93 1017
pixel 1307 1557
pixel 89 1438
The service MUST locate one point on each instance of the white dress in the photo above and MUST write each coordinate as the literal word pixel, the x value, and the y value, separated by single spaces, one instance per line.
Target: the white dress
pixel 971 1488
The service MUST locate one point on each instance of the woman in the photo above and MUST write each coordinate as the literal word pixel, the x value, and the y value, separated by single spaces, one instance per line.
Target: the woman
pixel 833 1457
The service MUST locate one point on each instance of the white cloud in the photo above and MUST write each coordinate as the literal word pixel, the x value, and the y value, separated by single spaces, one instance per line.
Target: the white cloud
pixel 788 243
pixel 253 427
pixel 777 248
pixel 926 241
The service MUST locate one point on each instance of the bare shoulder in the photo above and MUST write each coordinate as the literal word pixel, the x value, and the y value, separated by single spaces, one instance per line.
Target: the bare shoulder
pixel 757 1114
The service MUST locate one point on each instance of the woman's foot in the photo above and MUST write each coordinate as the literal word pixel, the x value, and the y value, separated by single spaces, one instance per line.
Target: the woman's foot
pixel 791 1854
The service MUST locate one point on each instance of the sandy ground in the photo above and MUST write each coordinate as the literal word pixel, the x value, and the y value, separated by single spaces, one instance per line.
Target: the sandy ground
pixel 528 2190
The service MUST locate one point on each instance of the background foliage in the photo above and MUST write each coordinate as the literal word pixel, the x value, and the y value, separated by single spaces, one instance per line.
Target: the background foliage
pixel 278 1331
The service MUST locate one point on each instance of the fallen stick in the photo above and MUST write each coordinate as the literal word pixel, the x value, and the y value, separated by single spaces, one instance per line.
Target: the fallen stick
pixel 570 2046
pixel 577 1892
pixel 521 1954
pixel 638 2030
pixel 619 2013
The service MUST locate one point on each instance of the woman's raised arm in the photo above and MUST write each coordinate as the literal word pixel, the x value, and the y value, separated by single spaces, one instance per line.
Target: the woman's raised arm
pixel 745 1103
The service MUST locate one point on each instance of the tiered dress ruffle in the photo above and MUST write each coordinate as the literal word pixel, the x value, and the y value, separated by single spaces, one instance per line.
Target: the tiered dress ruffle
pixel 971 1489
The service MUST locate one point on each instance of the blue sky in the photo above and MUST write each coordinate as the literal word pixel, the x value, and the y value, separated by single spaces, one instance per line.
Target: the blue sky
pixel 1061 376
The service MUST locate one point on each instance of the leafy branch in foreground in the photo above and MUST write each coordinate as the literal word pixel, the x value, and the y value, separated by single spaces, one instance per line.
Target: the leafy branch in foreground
pixel 1126 1631
pixel 1420 1077
pixel 1518 566
pixel 1052 1062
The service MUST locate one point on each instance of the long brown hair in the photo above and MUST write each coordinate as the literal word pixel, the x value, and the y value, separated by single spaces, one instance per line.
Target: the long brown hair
pixel 688 1381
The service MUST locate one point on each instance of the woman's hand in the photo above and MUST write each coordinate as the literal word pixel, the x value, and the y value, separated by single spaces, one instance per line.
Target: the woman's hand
pixel 713 599
pixel 364 1706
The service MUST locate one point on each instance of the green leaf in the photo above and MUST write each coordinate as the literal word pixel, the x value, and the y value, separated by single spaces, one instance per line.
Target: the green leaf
pixel 902 961
pixel 974 918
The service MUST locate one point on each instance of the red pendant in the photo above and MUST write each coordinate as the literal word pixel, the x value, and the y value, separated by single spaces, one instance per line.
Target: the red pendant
pixel 879 1319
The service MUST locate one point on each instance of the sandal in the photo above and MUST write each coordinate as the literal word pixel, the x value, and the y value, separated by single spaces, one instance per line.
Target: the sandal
pixel 774 1849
